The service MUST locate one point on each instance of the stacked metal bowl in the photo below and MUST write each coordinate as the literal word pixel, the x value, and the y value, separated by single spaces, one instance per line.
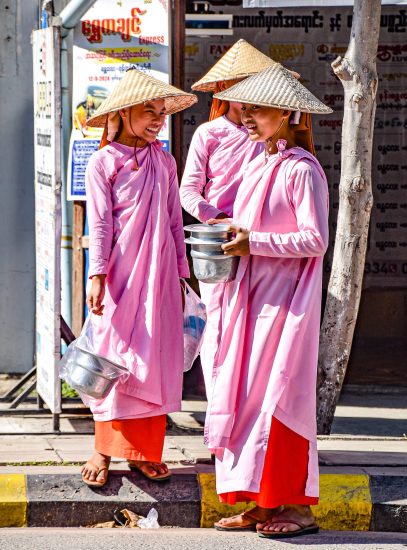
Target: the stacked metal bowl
pixel 209 261
pixel 93 374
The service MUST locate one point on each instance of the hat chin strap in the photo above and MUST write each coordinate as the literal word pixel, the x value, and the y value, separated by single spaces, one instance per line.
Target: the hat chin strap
pixel 299 133
pixel 136 168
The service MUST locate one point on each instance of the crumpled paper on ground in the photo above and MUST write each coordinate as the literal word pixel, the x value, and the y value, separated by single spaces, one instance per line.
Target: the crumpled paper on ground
pixel 131 520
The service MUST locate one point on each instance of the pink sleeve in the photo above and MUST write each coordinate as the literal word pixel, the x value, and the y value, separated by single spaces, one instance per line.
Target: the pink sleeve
pixel 309 197
pixel 194 179
pixel 100 219
pixel 175 214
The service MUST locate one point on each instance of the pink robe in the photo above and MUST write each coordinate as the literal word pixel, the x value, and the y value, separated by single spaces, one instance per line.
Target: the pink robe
pixel 136 237
pixel 217 159
pixel 267 360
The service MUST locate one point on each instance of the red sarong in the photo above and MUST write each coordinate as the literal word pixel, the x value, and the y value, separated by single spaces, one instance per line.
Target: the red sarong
pixel 284 474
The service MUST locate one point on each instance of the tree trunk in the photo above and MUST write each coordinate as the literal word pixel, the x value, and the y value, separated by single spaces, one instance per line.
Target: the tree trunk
pixel 357 71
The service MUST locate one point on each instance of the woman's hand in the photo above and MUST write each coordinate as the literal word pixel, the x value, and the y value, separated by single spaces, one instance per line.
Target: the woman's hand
pixel 215 221
pixel 96 294
pixel 240 245
pixel 222 216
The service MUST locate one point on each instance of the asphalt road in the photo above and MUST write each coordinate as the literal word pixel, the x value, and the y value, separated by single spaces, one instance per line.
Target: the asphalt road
pixel 189 539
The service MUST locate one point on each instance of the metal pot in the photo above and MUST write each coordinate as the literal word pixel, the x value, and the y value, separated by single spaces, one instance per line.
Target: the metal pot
pixel 209 263
pixel 208 247
pixel 214 233
pixel 92 374
pixel 214 268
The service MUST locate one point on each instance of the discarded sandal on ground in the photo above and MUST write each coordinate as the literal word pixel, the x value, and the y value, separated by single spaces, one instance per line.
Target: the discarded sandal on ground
pixel 98 470
pixel 158 477
pixel 303 530
pixel 236 526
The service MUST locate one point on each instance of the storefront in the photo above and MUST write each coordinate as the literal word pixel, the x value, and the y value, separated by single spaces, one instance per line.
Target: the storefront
pixel 308 39
pixel 181 45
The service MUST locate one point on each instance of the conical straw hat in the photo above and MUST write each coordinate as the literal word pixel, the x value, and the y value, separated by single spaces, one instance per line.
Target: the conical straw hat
pixel 275 87
pixel 136 87
pixel 240 61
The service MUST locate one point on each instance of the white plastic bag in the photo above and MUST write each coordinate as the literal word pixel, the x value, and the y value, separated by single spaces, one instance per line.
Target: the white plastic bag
pixel 150 522
pixel 194 326
pixel 81 365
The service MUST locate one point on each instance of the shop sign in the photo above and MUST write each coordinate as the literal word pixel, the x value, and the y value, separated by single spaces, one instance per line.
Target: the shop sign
pixel 308 40
pixel 111 38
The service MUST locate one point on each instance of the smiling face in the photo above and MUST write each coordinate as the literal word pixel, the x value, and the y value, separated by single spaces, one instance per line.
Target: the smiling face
pixel 143 121
pixel 261 122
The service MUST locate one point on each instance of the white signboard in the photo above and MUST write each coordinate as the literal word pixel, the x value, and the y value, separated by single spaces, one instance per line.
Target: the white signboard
pixel 47 123
pixel 308 40
pixel 111 38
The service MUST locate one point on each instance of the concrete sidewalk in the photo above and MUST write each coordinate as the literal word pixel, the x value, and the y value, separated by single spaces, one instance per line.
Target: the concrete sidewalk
pixel 363 472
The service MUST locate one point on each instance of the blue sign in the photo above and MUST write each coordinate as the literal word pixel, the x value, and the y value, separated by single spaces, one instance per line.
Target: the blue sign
pixel 81 150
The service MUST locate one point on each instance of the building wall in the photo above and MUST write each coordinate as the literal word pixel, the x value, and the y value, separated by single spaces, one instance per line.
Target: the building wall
pixel 308 40
pixel 17 265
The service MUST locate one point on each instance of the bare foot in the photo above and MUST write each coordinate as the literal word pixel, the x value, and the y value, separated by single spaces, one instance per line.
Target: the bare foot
pixel 247 519
pixel 95 470
pixel 150 469
pixel 290 518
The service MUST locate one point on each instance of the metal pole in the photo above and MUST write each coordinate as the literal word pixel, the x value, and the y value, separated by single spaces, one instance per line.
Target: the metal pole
pixel 72 13
pixel 68 19
pixel 66 206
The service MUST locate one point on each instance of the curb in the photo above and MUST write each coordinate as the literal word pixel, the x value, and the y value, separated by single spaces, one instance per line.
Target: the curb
pixel 349 502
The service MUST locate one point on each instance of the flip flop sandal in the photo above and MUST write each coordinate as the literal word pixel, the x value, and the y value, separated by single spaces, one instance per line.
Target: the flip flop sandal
pixel 158 478
pixel 98 470
pixel 309 530
pixel 248 527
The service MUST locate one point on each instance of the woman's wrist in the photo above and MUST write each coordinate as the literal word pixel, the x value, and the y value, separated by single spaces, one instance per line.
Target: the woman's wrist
pixel 99 277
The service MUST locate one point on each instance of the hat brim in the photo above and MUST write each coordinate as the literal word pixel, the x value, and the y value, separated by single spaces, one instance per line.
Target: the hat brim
pixel 173 104
pixel 275 105
pixel 275 87
pixel 211 86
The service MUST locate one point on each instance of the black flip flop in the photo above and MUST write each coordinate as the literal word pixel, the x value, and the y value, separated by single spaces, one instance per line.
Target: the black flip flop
pixel 310 530
pixel 250 527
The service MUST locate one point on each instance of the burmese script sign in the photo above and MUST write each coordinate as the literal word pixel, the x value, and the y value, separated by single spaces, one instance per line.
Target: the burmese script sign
pixel 110 39
pixel 47 127
pixel 308 40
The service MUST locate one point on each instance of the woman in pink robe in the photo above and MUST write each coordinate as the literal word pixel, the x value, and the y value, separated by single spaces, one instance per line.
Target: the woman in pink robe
pixel 218 156
pixel 137 257
pixel 263 389
pixel 217 159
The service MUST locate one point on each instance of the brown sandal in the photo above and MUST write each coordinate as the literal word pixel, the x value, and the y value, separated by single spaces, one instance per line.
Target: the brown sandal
pixel 303 530
pixel 249 527
pixel 158 477
pixel 98 470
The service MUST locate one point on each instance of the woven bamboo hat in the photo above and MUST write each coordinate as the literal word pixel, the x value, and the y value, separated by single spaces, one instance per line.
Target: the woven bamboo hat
pixel 136 87
pixel 275 87
pixel 240 61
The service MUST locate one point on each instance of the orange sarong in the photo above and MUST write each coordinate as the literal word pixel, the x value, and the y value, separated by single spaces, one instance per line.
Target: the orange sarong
pixel 132 438
pixel 285 472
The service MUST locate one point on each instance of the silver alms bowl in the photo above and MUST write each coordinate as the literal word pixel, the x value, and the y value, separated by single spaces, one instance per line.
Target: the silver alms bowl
pixel 92 374
pixel 215 233
pixel 209 262
pixel 214 268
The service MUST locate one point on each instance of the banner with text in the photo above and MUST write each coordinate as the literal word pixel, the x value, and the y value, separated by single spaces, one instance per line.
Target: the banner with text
pixel 111 38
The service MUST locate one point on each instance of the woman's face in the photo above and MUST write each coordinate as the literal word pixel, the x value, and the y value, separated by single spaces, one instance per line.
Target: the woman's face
pixel 261 122
pixel 144 120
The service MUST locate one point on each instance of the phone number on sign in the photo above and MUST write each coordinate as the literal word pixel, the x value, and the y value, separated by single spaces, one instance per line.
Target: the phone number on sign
pixel 379 268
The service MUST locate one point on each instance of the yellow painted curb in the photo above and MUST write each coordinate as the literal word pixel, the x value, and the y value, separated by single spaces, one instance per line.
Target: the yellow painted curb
pixel 13 500
pixel 345 502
